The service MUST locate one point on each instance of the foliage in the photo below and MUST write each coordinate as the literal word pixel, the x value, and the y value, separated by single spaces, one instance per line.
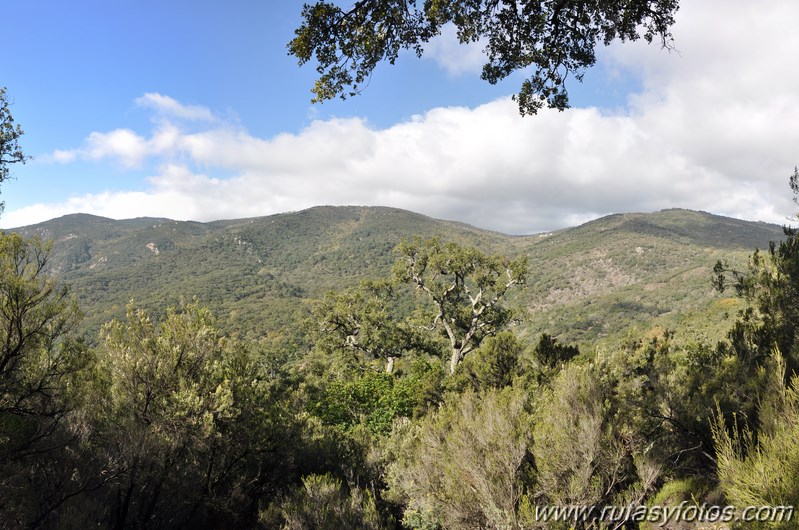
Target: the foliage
pixel 495 364
pixel 181 410
pixel 692 491
pixel 466 287
pixel 676 491
pixel 464 465
pixel 171 422
pixel 552 354
pixel 36 314
pixel 771 288
pixel 323 504
pixel 365 320
pixel 373 399
pixel 10 151
pixel 580 456
pixel 556 39
pixel 762 468
pixel 659 401
pixel 663 396
pixel 586 451
pixel 41 369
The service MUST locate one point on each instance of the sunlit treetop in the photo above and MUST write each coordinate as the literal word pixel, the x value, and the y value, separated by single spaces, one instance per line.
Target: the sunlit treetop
pixel 554 39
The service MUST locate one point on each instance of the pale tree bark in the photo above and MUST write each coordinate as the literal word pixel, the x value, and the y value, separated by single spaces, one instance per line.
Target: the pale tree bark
pixel 390 365
pixel 466 286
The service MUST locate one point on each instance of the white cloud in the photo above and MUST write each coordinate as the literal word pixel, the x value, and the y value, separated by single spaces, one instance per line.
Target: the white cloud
pixel 455 58
pixel 117 205
pixel 64 156
pixel 168 106
pixel 123 145
pixel 716 129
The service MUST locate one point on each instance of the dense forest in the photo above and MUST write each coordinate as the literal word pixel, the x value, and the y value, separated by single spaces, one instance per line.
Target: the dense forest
pixel 414 399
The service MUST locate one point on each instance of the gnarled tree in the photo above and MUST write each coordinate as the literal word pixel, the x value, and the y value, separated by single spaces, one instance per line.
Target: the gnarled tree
pixel 364 320
pixel 466 287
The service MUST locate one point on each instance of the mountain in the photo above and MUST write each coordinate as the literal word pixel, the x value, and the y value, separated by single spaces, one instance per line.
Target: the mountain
pixel 588 284
pixel 639 272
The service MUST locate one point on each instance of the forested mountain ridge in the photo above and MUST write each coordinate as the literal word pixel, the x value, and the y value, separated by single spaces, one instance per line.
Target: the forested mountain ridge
pixel 325 396
pixel 596 280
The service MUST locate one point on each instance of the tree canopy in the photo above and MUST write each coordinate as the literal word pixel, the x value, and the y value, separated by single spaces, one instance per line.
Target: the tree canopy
pixel 467 289
pixel 771 288
pixel 362 320
pixel 10 151
pixel 554 39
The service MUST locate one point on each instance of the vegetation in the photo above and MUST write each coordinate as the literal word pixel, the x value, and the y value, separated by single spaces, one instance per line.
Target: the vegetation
pixel 593 286
pixel 365 320
pixel 466 287
pixel 761 467
pixel 771 288
pixel 329 395
pixel 555 39
pixel 10 150
pixel 354 403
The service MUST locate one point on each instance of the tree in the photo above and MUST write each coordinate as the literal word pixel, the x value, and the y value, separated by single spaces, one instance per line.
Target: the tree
pixel 771 287
pixel 556 38
pixel 363 320
pixel 551 354
pixel 467 289
pixel 36 314
pixel 10 151
pixel 41 373
pixel 495 364
pixel 660 395
pixel 185 422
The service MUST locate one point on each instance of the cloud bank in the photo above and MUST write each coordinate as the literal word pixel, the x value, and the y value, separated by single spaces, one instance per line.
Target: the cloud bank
pixel 715 128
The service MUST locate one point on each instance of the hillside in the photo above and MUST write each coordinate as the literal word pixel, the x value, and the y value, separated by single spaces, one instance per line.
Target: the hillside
pixel 595 281
pixel 638 272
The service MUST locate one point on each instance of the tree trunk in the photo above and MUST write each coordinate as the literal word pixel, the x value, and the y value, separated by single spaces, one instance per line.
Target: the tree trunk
pixel 454 360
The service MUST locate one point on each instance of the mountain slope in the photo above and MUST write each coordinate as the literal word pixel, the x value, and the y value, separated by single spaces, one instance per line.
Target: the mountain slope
pixel 639 271
pixel 592 282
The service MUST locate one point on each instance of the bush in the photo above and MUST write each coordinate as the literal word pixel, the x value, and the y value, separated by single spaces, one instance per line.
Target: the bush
pixel 465 465
pixel 763 470
pixel 322 503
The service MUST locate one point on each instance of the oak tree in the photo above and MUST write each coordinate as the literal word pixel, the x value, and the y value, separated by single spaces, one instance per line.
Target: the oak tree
pixel 364 320
pixel 554 39
pixel 467 289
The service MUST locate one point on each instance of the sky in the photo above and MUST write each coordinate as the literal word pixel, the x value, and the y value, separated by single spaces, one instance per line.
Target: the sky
pixel 193 110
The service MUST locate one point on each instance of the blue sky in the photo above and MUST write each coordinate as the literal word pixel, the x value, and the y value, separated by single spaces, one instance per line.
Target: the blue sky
pixel 192 109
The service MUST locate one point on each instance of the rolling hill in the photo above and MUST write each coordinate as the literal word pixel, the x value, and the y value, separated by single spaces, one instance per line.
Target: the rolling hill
pixel 621 274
